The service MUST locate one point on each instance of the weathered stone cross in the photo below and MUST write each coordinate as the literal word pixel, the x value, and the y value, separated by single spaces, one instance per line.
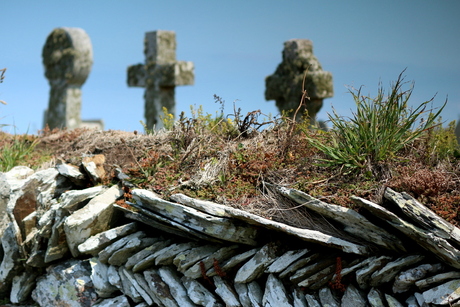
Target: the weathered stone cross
pixel 67 57
pixel 160 74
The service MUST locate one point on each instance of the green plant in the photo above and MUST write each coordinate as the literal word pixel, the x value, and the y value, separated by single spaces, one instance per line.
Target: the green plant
pixel 16 152
pixel 2 71
pixel 380 127
pixel 442 142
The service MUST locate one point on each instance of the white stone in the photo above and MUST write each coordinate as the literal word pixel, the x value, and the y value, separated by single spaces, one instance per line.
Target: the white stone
pixel 256 266
pixel 177 289
pixel 71 199
pixel 443 294
pixel 100 278
pixel 22 287
pixel 119 301
pixel 161 289
pixel 199 294
pixel 226 292
pixel 285 260
pixel 275 294
pixel 10 259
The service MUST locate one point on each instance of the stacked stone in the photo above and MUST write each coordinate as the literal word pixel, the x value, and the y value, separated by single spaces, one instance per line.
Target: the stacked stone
pixel 65 243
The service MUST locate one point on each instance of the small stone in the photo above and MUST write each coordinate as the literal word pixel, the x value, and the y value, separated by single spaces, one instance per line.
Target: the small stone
pixel 100 278
pixel 328 299
pixel 119 301
pixel 256 266
pixel 57 244
pixel 299 298
pixel 10 262
pixel 374 297
pixel 392 302
pixel 166 255
pixel 232 262
pixel 226 292
pixel 308 271
pixel 443 294
pixel 159 288
pixel 22 287
pixel 297 265
pixel 353 297
pixel 72 200
pixel 188 258
pixel 285 260
pixel 436 279
pixel 94 166
pixel 133 246
pixel 412 301
pixel 405 280
pixel 363 275
pixel 312 300
pixel 72 172
pixel 199 294
pixel 105 254
pixel 243 295
pixel 128 288
pixel 141 255
pixel 169 276
pixel 149 261
pixel 389 271
pixel 420 300
pixel 146 287
pixel 113 277
pixel 319 279
pixel 275 293
pixel 94 244
pixel 133 281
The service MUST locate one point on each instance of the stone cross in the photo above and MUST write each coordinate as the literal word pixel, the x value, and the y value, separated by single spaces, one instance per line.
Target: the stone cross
pixel 285 85
pixel 67 57
pixel 160 74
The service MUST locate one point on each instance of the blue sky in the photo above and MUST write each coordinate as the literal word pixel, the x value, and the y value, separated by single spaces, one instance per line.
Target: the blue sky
pixel 234 45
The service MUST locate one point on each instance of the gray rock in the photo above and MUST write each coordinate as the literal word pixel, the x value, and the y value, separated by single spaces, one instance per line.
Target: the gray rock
pixel 139 289
pixel 243 295
pixel 146 287
pixel 420 300
pixel 256 266
pixel 275 294
pixel 46 221
pixel 197 270
pixel 232 262
pixel 149 261
pixel 199 294
pixel 319 279
pixel 160 288
pixel 166 255
pixel 119 301
pixel 412 301
pixel 217 227
pixel 66 284
pixel 113 277
pixel 255 293
pixel 327 298
pixel 10 262
pixel 100 278
pixel 374 297
pixel 72 200
pixel 72 172
pixel 353 222
pixel 120 256
pixel 22 287
pixel 129 288
pixel 443 294
pixel 436 279
pixel 188 258
pixel 363 275
pixel 298 298
pixel 107 252
pixel 391 269
pixel 94 167
pixel 178 291
pixel 226 292
pixel 291 269
pixel 308 271
pixel 57 243
pixel 141 255
pixel 405 280
pixel 353 297
pixel 304 234
pixel 94 244
pixel 392 302
pixel 312 300
pixel 93 218
pixel 285 260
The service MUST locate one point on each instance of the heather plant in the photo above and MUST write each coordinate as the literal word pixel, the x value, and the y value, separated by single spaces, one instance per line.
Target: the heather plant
pixel 379 128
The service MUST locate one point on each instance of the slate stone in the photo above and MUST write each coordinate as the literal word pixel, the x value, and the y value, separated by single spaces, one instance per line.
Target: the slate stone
pixel 405 280
pixel 113 277
pixel 312 300
pixel 141 255
pixel 375 299
pixel 128 288
pixel 120 256
pixel 286 260
pixel 298 298
pixel 57 243
pixel 178 291
pixel 22 287
pixel 353 297
pixel 188 258
pixel 391 269
pixel 306 272
pixel 93 218
pixel 198 269
pixel 94 244
pixel 94 167
pixel 199 294
pixel 294 267
pixel 327 298
pixel 72 200
pixel 160 288
pixel 319 279
pixel 392 302
pixel 232 262
pixel 10 262
pixel 363 275
pixel 149 261
pixel 107 252
pixel 66 284
pixel 226 292
pixel 166 255
pixel 443 294
pixel 119 301
pixel 100 278
pixel 139 289
pixel 72 172
pixel 256 266
pixel 411 301
pixel 436 279
pixel 243 295
pixel 275 294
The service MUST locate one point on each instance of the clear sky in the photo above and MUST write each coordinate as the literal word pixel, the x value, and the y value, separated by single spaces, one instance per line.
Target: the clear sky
pixel 234 45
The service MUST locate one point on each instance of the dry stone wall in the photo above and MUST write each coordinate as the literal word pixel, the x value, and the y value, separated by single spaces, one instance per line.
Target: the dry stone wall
pixel 70 241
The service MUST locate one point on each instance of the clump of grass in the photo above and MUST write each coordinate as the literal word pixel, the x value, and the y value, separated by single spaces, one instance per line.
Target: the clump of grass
pixel 16 152
pixel 379 128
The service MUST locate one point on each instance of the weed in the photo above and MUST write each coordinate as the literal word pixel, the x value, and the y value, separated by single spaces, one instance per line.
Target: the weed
pixel 2 71
pixel 16 152
pixel 380 127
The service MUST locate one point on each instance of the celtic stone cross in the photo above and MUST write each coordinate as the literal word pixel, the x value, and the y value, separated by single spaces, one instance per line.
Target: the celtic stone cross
pixel 160 74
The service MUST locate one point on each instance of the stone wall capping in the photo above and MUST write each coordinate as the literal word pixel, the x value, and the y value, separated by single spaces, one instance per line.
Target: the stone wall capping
pixel 89 245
